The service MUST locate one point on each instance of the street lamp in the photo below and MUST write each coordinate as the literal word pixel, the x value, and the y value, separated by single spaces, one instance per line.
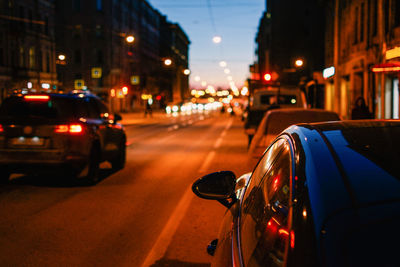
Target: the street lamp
pixel 167 62
pixel 186 71
pixel 61 57
pixel 299 63
pixel 217 39
pixel 130 39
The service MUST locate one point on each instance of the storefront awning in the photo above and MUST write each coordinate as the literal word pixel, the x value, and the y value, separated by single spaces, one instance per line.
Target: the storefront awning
pixel 387 67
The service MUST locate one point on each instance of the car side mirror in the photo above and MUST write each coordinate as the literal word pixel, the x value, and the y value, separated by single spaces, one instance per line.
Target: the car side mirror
pixel 217 186
pixel 117 117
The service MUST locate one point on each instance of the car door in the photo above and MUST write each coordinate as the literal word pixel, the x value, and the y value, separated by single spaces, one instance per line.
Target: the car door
pixel 264 227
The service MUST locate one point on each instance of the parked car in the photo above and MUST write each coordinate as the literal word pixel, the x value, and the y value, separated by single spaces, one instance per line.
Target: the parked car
pixel 277 120
pixel 269 98
pixel 60 133
pixel 323 194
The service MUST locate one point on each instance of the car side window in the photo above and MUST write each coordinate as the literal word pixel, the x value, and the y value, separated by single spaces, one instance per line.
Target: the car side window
pixel 264 224
pixel 264 165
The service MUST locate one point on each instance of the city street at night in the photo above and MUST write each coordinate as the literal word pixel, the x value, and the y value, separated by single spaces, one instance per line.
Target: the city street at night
pixel 143 214
pixel 212 133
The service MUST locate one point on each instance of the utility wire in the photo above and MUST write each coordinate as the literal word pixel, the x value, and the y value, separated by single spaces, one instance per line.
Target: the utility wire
pixel 211 15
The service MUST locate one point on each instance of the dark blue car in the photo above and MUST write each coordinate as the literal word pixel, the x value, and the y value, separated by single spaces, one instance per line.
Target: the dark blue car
pixel 322 194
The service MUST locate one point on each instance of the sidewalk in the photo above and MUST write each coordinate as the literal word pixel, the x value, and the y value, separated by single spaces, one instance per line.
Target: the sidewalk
pixel 138 117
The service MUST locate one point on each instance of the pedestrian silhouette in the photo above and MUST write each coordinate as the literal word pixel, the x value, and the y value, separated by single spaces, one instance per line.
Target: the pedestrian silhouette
pixel 360 110
pixel 148 110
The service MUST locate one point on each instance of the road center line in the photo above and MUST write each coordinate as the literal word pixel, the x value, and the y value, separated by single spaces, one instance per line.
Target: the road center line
pixel 218 142
pixel 207 162
pixel 164 239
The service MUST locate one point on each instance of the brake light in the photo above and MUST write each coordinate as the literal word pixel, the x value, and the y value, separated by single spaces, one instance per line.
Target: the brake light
pixel 1 128
pixel 72 129
pixel 75 128
pixel 36 97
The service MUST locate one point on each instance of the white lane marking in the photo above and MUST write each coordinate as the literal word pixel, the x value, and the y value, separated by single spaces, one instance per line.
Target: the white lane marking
pixel 164 239
pixel 218 142
pixel 207 162
pixel 173 127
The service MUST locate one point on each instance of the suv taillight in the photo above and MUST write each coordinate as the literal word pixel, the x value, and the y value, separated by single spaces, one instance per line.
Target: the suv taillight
pixel 1 128
pixel 36 97
pixel 71 129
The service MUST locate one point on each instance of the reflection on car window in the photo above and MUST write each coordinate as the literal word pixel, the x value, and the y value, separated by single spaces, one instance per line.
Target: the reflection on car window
pixel 264 165
pixel 264 229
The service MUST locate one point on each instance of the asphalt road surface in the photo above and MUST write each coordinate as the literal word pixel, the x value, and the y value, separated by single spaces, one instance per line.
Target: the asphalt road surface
pixel 143 215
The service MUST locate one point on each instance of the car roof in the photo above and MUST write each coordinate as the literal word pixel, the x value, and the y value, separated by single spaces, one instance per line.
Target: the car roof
pixel 350 166
pixel 277 120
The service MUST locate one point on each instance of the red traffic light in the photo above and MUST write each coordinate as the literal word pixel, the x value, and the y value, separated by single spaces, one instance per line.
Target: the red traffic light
pixel 267 77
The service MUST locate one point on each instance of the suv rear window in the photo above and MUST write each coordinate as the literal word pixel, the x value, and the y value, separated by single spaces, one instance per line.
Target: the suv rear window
pixel 55 108
pixel 283 99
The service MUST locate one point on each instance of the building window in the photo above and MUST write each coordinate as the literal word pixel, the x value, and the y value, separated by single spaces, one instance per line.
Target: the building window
pixel 1 57
pixel 362 23
pixel 397 14
pixel 375 18
pixel 46 25
pixel 99 57
pixel 76 33
pixel 30 17
pixel 355 37
pixel 21 57
pixel 77 57
pixel 48 61
pixel 32 58
pixel 99 31
pixel 22 16
pixel 99 5
pixel 386 16
pixel 40 60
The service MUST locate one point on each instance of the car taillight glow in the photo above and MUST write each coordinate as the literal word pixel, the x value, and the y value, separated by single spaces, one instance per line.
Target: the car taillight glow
pixel 292 239
pixel 75 128
pixel 72 129
pixel 36 97
pixel 1 128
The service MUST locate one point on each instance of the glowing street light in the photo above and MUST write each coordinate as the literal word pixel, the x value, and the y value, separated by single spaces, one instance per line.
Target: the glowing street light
pixel 203 83
pixel 197 78
pixel 130 39
pixel 167 62
pixel 299 62
pixel 222 64
pixel 186 72
pixel 227 71
pixel 61 57
pixel 217 39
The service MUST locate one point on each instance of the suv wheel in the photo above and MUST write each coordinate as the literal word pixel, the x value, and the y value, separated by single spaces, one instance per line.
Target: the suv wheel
pixel 93 166
pixel 118 162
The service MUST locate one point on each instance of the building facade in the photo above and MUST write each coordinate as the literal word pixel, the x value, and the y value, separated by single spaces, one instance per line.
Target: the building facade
pixel 92 35
pixel 27 46
pixel 364 55
pixel 175 46
pixel 290 31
